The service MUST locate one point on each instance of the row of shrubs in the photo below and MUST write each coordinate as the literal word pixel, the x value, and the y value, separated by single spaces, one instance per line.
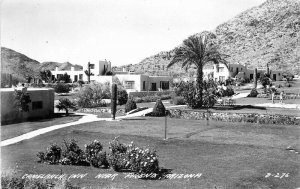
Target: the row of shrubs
pixel 122 157
pixel 150 93
pixel 235 117
pixel 151 98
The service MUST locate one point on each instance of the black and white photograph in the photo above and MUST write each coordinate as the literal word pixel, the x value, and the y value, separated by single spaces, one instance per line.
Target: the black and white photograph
pixel 131 94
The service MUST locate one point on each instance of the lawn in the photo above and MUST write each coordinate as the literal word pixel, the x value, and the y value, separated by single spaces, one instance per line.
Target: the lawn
pixel 229 155
pixel 13 130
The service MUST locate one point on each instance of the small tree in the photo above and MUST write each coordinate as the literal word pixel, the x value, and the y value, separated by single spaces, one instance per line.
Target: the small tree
pixel 255 78
pixel 21 101
pixel 66 78
pixel 122 97
pixel 114 94
pixel 130 105
pixel 46 75
pixel 159 109
pixel 66 104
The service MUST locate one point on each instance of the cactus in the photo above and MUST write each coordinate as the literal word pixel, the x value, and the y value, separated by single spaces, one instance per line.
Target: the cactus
pixel 114 94
pixel 255 78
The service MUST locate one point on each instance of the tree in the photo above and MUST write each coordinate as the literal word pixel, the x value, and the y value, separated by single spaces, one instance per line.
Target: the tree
pixel 46 75
pixel 65 77
pixel 198 50
pixel 66 104
pixel 114 94
pixel 88 72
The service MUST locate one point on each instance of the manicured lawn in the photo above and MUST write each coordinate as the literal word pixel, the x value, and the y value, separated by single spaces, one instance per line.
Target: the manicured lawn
pixel 229 155
pixel 13 130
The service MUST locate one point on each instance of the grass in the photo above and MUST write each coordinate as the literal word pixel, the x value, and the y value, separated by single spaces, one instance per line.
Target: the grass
pixel 229 155
pixel 14 130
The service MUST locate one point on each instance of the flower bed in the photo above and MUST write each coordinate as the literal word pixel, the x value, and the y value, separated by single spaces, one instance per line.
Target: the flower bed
pixel 235 117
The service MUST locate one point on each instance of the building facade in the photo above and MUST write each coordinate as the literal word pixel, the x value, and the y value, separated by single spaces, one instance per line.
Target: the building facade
pixel 221 72
pixel 131 81
pixel 41 105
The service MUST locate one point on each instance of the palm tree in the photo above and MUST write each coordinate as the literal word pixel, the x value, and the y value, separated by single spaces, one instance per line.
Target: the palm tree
pixel 198 50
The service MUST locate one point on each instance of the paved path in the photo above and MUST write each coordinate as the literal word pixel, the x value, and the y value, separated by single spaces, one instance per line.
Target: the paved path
pixel 85 119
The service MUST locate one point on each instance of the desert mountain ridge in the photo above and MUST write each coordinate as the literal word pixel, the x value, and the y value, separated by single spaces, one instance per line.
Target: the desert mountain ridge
pixel 265 34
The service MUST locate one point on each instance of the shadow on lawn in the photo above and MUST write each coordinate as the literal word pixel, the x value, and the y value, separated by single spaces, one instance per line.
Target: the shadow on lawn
pixel 238 107
pixel 40 119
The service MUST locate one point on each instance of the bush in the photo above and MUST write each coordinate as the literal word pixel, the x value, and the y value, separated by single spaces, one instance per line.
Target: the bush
pixel 91 95
pixel 159 109
pixel 122 97
pixel 253 93
pixel 95 156
pixel 178 100
pixel 132 158
pixel 130 105
pixel 229 91
pixel 51 156
pixel 72 154
pixel 209 98
pixel 61 88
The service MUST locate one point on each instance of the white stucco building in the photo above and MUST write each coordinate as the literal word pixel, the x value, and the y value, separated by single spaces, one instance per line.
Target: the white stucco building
pixel 222 72
pixel 131 81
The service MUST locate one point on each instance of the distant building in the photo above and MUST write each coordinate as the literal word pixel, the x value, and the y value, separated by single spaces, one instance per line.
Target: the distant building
pixel 41 105
pixel 131 81
pixel 221 72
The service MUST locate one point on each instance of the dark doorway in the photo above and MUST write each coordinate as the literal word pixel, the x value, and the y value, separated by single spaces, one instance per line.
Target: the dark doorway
pixel 153 86
pixel 274 77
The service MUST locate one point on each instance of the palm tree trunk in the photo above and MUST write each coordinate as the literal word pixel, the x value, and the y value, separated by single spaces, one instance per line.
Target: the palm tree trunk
pixel 67 112
pixel 200 84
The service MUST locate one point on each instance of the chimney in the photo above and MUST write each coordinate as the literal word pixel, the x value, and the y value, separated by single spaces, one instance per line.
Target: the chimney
pixel 56 68
pixel 72 68
pixel 124 69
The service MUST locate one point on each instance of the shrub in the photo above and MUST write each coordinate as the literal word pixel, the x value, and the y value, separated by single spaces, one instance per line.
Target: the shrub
pixel 61 88
pixel 253 93
pixel 94 154
pixel 191 95
pixel 229 91
pixel 122 97
pixel 72 154
pixel 91 95
pixel 159 109
pixel 209 98
pixel 132 158
pixel 66 104
pixel 130 105
pixel 51 156
pixel 178 100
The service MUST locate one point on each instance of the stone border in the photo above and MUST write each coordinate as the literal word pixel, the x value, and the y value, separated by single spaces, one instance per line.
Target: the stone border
pixel 276 119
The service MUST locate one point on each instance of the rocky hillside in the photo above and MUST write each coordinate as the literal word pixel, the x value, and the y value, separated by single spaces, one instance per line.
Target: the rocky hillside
pixel 21 66
pixel 17 64
pixel 61 66
pixel 269 33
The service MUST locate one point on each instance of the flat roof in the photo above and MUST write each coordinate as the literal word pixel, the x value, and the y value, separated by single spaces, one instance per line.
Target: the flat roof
pixel 28 89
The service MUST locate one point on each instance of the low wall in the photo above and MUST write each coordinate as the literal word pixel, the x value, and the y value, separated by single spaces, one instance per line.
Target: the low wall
pixel 43 96
pixel 235 117
pixel 149 93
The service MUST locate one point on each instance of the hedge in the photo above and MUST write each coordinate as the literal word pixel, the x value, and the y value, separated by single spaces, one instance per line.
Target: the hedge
pixel 149 93
pixel 235 117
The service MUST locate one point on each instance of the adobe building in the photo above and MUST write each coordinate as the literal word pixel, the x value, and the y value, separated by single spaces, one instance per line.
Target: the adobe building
pixel 41 105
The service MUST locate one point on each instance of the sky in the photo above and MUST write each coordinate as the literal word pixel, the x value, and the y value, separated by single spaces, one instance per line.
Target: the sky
pixel 121 31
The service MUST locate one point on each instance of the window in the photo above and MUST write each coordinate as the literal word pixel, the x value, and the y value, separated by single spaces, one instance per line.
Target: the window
pixel 92 66
pixel 241 69
pixel 221 69
pixel 37 105
pixel 222 78
pixel 144 85
pixel 129 84
pixel 164 85
pixel 80 76
pixel 278 74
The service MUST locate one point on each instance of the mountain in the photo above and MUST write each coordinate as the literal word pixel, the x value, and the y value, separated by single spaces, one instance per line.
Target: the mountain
pixel 266 34
pixel 61 66
pixel 21 66
pixel 17 64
